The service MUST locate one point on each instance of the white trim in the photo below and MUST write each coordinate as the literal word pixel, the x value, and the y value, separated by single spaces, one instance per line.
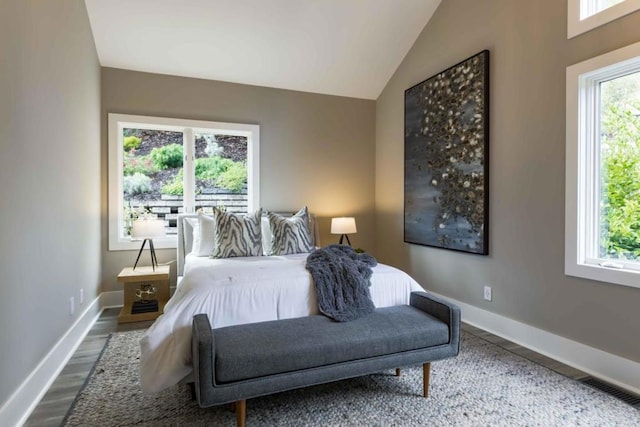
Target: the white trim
pixel 253 168
pixel 188 171
pixel 616 370
pixel 578 22
pixel 117 122
pixel 23 401
pixel 582 162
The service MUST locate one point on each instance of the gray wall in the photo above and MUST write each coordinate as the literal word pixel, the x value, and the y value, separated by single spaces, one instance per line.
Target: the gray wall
pixel 49 170
pixel 314 149
pixel 529 55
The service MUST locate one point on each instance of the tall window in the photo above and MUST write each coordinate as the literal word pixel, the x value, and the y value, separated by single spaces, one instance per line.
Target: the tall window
pixel 585 15
pixel 163 167
pixel 603 168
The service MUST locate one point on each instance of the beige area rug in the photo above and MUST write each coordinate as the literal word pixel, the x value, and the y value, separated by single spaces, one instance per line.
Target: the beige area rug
pixel 484 386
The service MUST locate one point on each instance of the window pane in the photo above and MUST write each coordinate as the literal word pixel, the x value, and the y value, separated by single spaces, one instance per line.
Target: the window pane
pixel 601 5
pixel 605 4
pixel 152 181
pixel 620 168
pixel 221 172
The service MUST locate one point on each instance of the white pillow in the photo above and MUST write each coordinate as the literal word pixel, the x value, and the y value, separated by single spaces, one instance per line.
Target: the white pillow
pixel 191 239
pixel 266 236
pixel 204 234
pixel 207 227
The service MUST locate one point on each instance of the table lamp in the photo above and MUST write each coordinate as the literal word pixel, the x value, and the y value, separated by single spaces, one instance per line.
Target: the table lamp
pixel 147 229
pixel 343 226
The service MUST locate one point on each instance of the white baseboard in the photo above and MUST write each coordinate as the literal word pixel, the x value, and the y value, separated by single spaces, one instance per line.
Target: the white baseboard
pixel 616 370
pixel 16 410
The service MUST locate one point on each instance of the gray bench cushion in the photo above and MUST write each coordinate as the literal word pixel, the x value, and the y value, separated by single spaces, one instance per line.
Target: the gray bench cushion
pixel 308 342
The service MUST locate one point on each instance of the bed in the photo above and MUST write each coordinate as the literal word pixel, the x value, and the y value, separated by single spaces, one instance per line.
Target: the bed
pixel 239 290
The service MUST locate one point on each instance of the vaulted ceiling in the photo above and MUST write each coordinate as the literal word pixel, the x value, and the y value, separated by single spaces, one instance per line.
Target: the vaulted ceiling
pixel 337 47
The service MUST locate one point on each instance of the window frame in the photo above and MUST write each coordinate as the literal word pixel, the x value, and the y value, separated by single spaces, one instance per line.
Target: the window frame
pixel 583 167
pixel 117 122
pixel 579 20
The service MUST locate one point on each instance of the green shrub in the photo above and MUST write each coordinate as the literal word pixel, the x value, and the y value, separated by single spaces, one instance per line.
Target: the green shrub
pixel 175 187
pixel 138 164
pixel 136 184
pixel 168 156
pixel 210 168
pixel 234 178
pixel 131 143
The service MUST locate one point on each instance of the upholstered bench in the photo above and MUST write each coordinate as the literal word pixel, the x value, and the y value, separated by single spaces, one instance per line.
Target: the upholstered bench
pixel 235 363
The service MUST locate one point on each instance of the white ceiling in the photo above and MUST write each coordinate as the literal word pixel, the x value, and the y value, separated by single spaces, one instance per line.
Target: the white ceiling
pixel 337 47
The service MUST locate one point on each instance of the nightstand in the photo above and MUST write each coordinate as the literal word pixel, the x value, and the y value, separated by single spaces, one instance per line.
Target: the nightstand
pixel 152 287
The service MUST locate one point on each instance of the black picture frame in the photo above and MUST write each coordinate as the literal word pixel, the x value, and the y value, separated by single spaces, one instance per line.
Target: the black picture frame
pixel 446 158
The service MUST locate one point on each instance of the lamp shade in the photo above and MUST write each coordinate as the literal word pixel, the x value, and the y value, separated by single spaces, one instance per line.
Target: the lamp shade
pixel 147 228
pixel 343 225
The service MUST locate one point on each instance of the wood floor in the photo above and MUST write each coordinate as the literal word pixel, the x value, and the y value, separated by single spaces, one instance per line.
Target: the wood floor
pixel 58 399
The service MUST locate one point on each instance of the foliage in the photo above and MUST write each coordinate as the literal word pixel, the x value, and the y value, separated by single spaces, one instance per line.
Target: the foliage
pixel 620 150
pixel 131 143
pixel 138 164
pixel 168 156
pixel 175 187
pixel 136 184
pixel 209 168
pixel 234 178
pixel 223 173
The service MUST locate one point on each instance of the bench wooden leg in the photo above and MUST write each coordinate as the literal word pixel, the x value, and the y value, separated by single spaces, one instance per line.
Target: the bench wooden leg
pixel 397 372
pixel 426 369
pixel 241 411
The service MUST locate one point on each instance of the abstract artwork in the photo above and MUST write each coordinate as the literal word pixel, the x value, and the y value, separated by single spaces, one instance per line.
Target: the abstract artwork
pixel 446 158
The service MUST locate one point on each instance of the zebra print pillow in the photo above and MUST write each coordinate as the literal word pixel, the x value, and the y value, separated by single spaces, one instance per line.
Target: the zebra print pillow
pixel 237 234
pixel 290 235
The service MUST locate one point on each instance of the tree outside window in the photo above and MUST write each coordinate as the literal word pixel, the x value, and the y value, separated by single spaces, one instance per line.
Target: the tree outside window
pixel 620 168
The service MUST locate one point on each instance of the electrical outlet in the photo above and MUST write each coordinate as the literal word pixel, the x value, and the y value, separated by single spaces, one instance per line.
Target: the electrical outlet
pixel 81 299
pixel 487 293
pixel 72 308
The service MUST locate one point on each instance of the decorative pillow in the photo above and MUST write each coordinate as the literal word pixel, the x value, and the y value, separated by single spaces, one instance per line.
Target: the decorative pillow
pixel 290 235
pixel 237 234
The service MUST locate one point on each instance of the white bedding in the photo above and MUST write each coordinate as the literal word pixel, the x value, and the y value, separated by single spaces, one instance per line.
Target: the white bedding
pixel 241 290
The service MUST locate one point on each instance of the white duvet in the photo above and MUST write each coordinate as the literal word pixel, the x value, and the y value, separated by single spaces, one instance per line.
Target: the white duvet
pixel 241 290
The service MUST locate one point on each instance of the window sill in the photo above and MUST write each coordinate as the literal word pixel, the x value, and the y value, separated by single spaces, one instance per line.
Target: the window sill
pixel 616 276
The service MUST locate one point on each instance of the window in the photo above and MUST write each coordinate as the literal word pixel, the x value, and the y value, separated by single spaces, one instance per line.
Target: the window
pixel 585 15
pixel 602 212
pixel 164 166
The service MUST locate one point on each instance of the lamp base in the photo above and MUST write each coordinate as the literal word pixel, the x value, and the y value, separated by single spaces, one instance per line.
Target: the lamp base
pixel 154 260
pixel 342 238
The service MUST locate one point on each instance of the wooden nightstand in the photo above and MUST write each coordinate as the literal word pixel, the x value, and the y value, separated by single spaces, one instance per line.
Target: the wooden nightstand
pixel 143 278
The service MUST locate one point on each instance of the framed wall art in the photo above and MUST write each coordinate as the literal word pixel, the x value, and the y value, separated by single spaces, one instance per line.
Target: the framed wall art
pixel 446 158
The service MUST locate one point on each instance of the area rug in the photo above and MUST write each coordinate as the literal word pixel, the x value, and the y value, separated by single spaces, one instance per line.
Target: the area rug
pixel 484 386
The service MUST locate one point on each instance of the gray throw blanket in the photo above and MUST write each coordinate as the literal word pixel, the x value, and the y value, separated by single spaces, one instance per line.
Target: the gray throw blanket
pixel 341 276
